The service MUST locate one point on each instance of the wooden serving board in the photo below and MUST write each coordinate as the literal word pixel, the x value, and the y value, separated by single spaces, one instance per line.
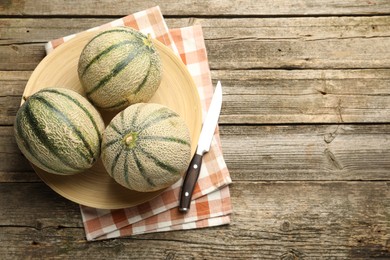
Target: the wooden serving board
pixel 94 187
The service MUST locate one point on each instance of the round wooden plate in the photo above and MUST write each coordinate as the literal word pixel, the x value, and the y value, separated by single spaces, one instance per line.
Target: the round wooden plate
pixel 94 187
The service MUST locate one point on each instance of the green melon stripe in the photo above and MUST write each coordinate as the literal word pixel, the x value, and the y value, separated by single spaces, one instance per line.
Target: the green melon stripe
pixel 27 145
pixel 156 120
pixel 41 135
pixel 119 104
pixel 135 117
pixel 70 124
pixel 141 169
pixel 159 163
pixel 115 161
pixel 136 114
pixel 126 166
pixel 140 86
pixel 115 128
pixel 166 139
pixel 106 145
pixel 133 33
pixel 118 68
pixel 86 111
pixel 106 51
pixel 122 118
pixel 138 89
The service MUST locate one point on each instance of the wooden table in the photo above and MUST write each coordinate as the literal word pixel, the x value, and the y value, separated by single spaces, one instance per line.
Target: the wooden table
pixel 305 130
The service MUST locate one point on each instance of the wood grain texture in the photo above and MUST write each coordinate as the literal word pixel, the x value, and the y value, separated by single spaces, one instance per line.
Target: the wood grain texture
pixel 188 8
pixel 296 43
pixel 305 130
pixel 312 152
pixel 11 157
pixel 274 153
pixel 287 220
pixel 39 30
pixel 272 96
pixel 305 96
pixel 12 87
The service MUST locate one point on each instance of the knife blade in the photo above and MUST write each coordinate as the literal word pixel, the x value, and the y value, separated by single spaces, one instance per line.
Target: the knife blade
pixel 204 143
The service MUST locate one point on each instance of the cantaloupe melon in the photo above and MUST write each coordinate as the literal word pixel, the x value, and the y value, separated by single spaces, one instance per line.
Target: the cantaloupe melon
pixel 59 131
pixel 146 147
pixel 119 67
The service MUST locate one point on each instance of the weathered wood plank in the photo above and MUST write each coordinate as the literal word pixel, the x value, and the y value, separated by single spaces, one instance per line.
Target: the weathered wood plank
pixel 12 86
pixel 41 30
pixel 309 152
pixel 21 57
pixel 284 220
pixel 29 30
pixel 304 28
pixel 48 209
pixel 300 191
pixel 14 167
pixel 251 53
pixel 189 8
pixel 294 152
pixel 11 159
pixel 327 42
pixel 272 96
pixel 296 42
pixel 309 96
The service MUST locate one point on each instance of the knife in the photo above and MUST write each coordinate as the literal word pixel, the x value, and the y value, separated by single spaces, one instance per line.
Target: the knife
pixel 206 135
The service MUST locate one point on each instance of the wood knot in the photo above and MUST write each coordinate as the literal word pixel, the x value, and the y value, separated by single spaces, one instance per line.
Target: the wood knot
pixel 35 243
pixel 38 225
pixel 328 138
pixel 285 226
pixel 170 256
pixel 15 48
pixel 332 159
pixel 292 254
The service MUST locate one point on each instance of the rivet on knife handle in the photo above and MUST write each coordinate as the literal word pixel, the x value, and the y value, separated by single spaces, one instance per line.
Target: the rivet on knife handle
pixel 190 180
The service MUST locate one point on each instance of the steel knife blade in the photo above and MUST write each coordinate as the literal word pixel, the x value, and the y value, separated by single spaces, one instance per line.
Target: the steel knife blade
pixel 204 143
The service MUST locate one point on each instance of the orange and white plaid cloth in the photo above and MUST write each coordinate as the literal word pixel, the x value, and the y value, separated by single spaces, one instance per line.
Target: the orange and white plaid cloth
pixel 211 205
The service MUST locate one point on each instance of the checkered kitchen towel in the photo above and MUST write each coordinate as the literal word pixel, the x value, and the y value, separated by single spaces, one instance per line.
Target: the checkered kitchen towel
pixel 211 205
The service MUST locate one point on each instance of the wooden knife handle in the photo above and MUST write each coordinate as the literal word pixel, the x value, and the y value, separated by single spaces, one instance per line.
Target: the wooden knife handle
pixel 190 180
